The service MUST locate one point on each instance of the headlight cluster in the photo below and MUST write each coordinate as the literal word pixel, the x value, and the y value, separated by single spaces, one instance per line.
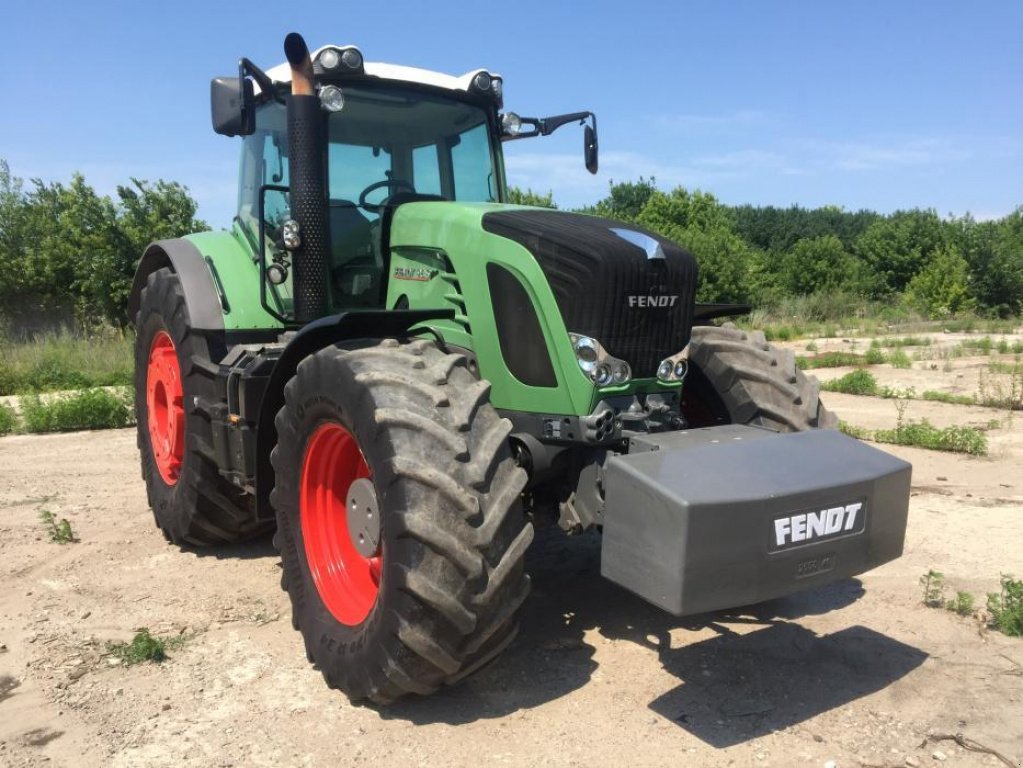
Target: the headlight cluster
pixel 339 60
pixel 486 83
pixel 603 369
pixel 674 368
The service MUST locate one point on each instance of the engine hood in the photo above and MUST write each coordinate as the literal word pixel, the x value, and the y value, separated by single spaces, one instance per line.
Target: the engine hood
pixel 629 288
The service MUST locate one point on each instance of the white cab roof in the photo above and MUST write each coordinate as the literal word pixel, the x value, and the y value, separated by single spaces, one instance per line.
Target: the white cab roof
pixel 282 73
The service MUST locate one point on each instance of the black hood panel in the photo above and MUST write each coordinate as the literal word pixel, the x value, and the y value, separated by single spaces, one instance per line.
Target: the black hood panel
pixel 605 282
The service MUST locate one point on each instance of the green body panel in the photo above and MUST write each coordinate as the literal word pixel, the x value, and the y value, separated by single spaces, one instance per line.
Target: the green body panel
pixel 238 273
pixel 439 256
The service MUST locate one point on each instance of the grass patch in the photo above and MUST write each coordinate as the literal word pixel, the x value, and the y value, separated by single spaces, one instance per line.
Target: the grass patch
pixel 88 409
pixel 1006 607
pixel 59 530
pixel 907 341
pixel 923 434
pixel 63 361
pixel 8 419
pixel 144 647
pixel 830 360
pixel 947 397
pixel 859 382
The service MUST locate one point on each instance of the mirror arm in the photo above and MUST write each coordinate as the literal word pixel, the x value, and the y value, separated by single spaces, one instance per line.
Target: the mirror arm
pixel 266 85
pixel 549 125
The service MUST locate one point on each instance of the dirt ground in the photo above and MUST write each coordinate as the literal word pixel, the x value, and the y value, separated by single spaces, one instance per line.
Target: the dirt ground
pixel 857 674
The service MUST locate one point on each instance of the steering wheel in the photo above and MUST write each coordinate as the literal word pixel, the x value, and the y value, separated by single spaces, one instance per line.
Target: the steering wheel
pixel 395 184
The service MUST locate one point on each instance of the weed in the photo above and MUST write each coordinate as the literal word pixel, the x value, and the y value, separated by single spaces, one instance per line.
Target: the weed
pixel 811 347
pixel 908 341
pixel 962 603
pixel 830 360
pixel 853 431
pixel 8 419
pixel 999 366
pixel 984 345
pixel 933 583
pixel 1006 607
pixel 60 531
pixel 923 434
pixel 858 382
pixel 88 409
pixel 998 393
pixel 899 359
pixel 144 647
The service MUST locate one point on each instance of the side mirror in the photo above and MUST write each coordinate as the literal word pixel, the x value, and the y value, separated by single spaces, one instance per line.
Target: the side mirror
pixel 233 106
pixel 590 148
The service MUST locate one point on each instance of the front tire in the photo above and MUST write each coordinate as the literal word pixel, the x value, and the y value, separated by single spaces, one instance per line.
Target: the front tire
pixel 743 379
pixel 438 595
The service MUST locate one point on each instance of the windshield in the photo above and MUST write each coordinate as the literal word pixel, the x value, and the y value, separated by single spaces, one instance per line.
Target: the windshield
pixel 385 143
pixel 404 140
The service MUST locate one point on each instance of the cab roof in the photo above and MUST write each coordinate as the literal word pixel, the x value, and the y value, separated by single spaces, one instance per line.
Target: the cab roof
pixel 396 72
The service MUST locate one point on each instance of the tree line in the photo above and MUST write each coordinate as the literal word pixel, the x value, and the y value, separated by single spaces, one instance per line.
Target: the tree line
pixel 69 253
pixel 764 254
pixel 66 250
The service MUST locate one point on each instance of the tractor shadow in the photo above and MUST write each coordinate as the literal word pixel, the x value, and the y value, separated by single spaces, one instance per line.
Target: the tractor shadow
pixel 733 687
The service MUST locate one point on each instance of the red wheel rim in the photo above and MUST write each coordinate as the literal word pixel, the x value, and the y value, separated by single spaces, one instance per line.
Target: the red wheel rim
pixel 165 412
pixel 346 581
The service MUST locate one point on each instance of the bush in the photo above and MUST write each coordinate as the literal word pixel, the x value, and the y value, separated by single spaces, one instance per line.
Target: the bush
pixel 8 419
pixel 858 382
pixel 88 409
pixel 1006 607
pixel 899 359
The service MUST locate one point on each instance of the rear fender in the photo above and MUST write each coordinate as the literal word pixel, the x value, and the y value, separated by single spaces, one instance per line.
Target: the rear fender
pixel 204 301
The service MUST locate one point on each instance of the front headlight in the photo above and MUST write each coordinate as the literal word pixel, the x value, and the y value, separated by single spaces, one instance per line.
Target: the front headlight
pixel 674 368
pixel 602 368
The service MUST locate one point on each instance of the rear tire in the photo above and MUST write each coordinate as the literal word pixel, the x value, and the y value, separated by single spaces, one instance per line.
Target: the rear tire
pixel 753 382
pixel 192 503
pixel 449 567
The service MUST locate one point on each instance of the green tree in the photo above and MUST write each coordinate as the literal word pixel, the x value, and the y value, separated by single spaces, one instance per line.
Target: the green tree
pixel 817 264
pixel 942 288
pixel 625 199
pixel 897 247
pixel 994 251
pixel 517 196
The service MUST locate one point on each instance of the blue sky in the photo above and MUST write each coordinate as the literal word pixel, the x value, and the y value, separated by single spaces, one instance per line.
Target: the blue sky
pixel 881 105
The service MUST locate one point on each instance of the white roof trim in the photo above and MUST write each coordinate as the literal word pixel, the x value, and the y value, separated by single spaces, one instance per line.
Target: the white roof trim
pixel 282 73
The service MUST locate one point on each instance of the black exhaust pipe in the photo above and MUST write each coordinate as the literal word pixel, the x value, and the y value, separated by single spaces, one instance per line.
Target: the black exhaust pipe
pixel 309 196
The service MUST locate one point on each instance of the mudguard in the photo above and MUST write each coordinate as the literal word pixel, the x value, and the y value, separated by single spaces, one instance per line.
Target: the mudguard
pixel 713 518
pixel 204 301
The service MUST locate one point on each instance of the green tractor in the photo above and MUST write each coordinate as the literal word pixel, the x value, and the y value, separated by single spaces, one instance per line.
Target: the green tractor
pixel 400 373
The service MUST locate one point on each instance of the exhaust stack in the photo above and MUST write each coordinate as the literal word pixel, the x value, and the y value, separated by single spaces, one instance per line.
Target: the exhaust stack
pixel 309 196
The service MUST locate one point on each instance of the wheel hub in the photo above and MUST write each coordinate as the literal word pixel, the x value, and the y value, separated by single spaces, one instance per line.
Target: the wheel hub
pixel 363 517
pixel 165 412
pixel 340 521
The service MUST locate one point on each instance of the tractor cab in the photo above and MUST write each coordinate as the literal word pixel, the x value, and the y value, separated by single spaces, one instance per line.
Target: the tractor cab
pixel 391 135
